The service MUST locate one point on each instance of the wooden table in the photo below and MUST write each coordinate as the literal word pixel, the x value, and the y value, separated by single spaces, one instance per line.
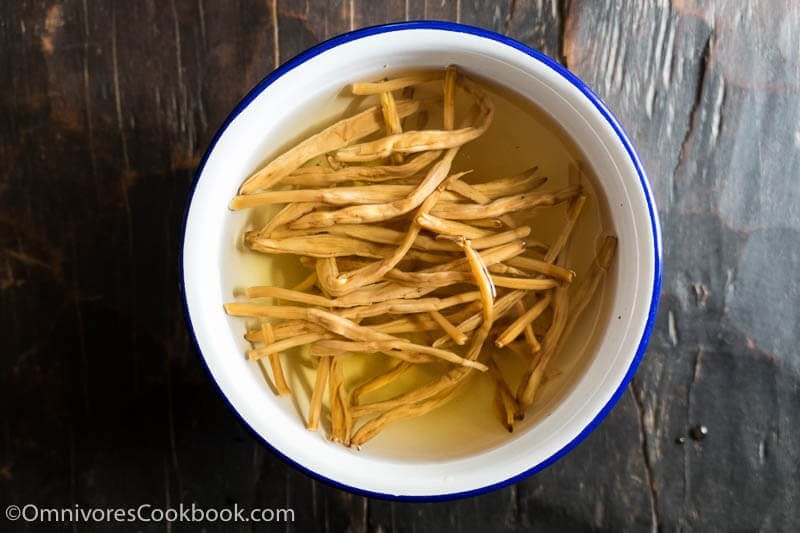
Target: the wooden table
pixel 106 110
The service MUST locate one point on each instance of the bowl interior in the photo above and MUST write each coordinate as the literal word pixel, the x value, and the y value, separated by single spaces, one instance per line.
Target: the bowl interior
pixel 465 448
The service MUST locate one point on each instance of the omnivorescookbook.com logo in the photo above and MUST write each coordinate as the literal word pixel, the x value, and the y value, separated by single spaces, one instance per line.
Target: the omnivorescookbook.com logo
pixel 145 513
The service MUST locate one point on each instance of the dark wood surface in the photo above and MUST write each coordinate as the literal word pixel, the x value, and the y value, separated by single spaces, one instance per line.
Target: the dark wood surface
pixel 105 110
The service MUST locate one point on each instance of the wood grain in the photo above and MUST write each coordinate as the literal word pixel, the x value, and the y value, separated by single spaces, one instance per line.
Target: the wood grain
pixel 105 110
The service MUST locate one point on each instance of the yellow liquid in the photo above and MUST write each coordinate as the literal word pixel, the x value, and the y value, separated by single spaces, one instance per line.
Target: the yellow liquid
pixel 521 136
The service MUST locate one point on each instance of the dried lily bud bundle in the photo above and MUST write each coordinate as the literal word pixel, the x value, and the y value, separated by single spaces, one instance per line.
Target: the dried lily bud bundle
pixel 411 260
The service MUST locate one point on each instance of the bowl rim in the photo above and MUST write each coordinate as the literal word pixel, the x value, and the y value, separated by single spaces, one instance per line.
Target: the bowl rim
pixel 595 100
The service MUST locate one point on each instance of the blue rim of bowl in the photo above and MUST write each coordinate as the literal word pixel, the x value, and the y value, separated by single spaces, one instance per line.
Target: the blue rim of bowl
pixel 601 108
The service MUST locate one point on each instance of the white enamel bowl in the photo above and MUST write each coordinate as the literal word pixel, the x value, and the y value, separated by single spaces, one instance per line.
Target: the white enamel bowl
pixel 433 465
